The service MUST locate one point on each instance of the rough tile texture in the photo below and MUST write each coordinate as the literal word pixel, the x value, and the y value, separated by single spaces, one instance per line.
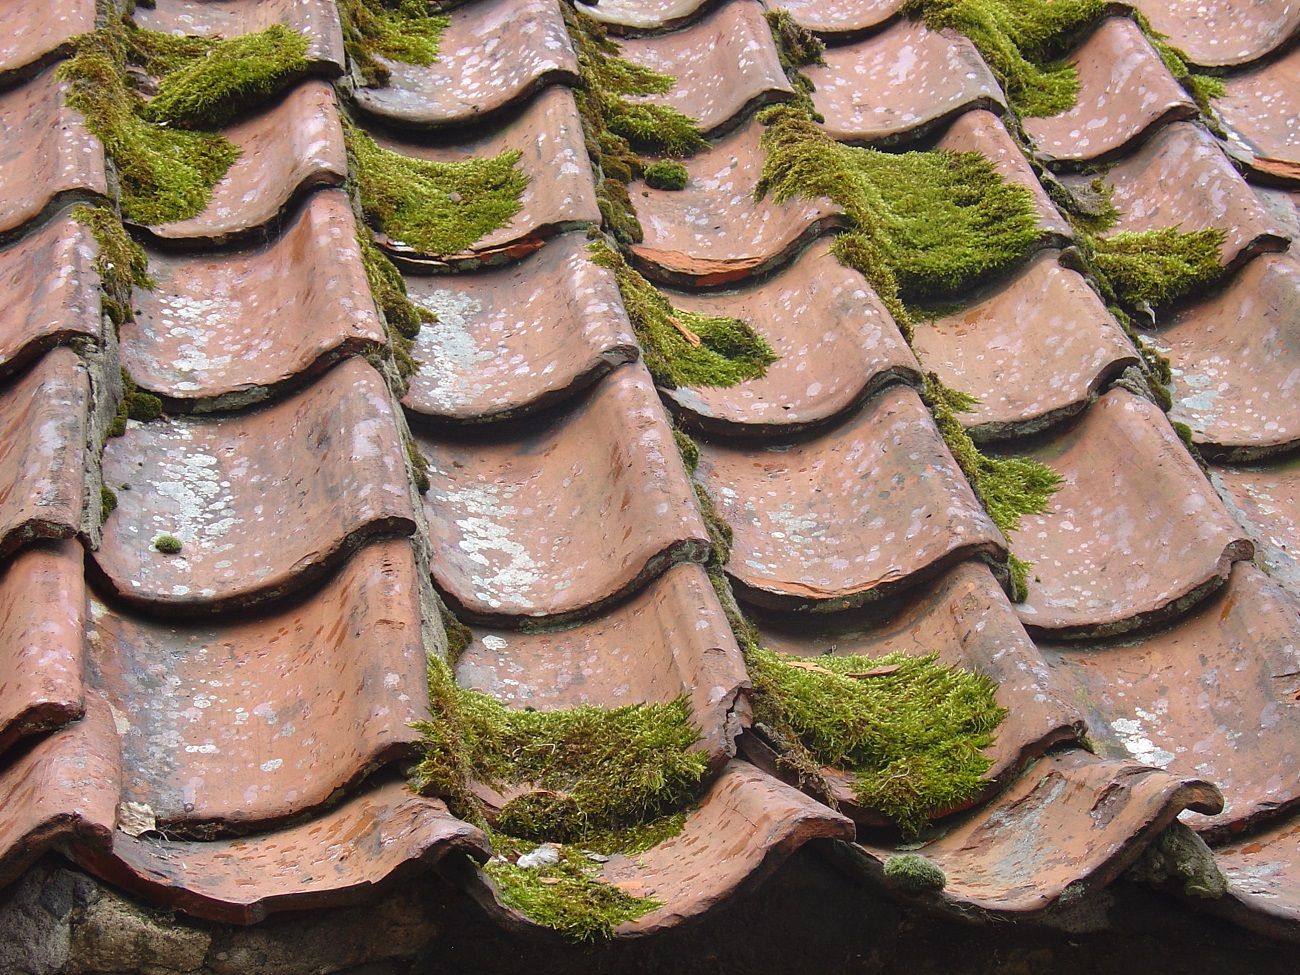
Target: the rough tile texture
pixel 1266 501
pixel 37 29
pixel 647 13
pixel 841 16
pixel 1225 32
pixel 1261 111
pixel 1261 873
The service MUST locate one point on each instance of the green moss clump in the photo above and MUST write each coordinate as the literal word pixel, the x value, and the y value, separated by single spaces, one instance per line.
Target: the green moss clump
pixel 397 30
pixel 459 636
pixel 797 48
pixel 121 264
pixel 107 503
pixel 160 54
pixel 914 874
pixel 665 174
pixel 166 174
pixel 437 208
pixel 1156 267
pixel 234 75
pixel 134 405
pixel 685 348
pixel 167 544
pixel 388 288
pixel 913 732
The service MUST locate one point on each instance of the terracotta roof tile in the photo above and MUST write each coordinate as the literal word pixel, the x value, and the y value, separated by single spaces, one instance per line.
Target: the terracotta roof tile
pixel 1135 531
pixel 560 194
pixel 50 289
pixel 713 231
pixel 841 16
pixel 43 420
pixel 493 53
pixel 512 340
pixel 47 152
pixel 290 148
pixel 841 518
pixel 1261 111
pixel 1125 90
pixel 567 513
pixel 36 30
pixel 1261 871
pixel 262 502
pixel 42 609
pixel 1034 350
pixel 1220 33
pixel 235 724
pixel 1266 501
pixel 228 328
pixel 835 341
pixel 648 13
pixel 734 43
pixel 916 78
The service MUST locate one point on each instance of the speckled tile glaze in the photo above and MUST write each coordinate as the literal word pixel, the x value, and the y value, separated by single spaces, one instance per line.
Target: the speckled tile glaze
pixel 239 723
pixel 35 30
pixel 1236 361
pixel 1265 499
pixel 713 231
pixel 49 292
pixel 43 419
pixel 835 341
pixel 339 857
pixel 1069 819
pixel 262 502
pixel 564 514
pixel 42 646
pixel 1035 350
pixel 293 146
pixel 842 518
pixel 669 639
pixel 900 82
pixel 47 151
pixel 1212 696
pixel 230 326
pixel 1134 529
pixel 512 340
pixel 1222 33
pixel 1261 869
pixel 561 191
pixel 317 20
pixel 647 14
pixel 841 16
pixel 1124 90
pixel 1261 112
pixel 735 44
pixel 494 52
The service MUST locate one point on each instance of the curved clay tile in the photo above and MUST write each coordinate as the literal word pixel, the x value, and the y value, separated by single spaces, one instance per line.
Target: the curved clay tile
pixel 1261 871
pixel 836 344
pixel 1124 90
pixel 1212 696
pixel 37 30
pixel 900 83
pixel 1266 501
pixel 42 640
pixel 226 328
pixel 1135 532
pixel 493 52
pixel 561 190
pixel 722 64
pixel 965 618
pixel 234 725
pixel 263 503
pixel 1181 178
pixel 983 132
pixel 1261 111
pixel 669 639
pixel 1069 819
pixel 49 292
pixel 514 339
pixel 646 14
pixel 713 231
pixel 841 16
pixel 46 152
pixel 564 514
pixel 317 20
pixel 1236 361
pixel 1222 33
pixel 1035 350
pixel 43 420
pixel 290 148
pixel 841 519
pixel 63 791
pixel 337 858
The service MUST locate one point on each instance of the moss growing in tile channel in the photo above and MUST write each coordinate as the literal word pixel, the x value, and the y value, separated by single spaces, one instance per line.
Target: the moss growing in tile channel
pixel 685 348
pixel 134 405
pixel 402 321
pixel 121 263
pixel 436 208
pixel 1156 267
pixel 395 30
pixel 666 174
pixel 797 48
pixel 914 874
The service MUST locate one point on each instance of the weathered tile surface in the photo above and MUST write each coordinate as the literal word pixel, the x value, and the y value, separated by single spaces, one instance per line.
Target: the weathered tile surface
pixel 1224 32
pixel 647 13
pixel 36 29
pixel 1261 870
pixel 1262 111
pixel 841 16
pixel 1265 499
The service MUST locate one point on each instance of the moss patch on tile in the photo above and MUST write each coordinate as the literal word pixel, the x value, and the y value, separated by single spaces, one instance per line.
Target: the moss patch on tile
pixel 403 319
pixel 796 48
pixel 665 174
pixel 914 874
pixel 685 348
pixel 168 544
pixel 135 404
pixel 436 208
pixel 121 263
pixel 1155 267
pixel 408 31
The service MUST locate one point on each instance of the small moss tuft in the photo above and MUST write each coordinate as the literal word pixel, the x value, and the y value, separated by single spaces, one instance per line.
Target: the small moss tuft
pixel 666 175
pixel 134 405
pixel 1184 432
pixel 685 348
pixel 107 503
pixel 167 544
pixel 914 874
pixel 121 264
pixel 419 464
pixel 437 208
pixel 396 30
pixel 797 48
